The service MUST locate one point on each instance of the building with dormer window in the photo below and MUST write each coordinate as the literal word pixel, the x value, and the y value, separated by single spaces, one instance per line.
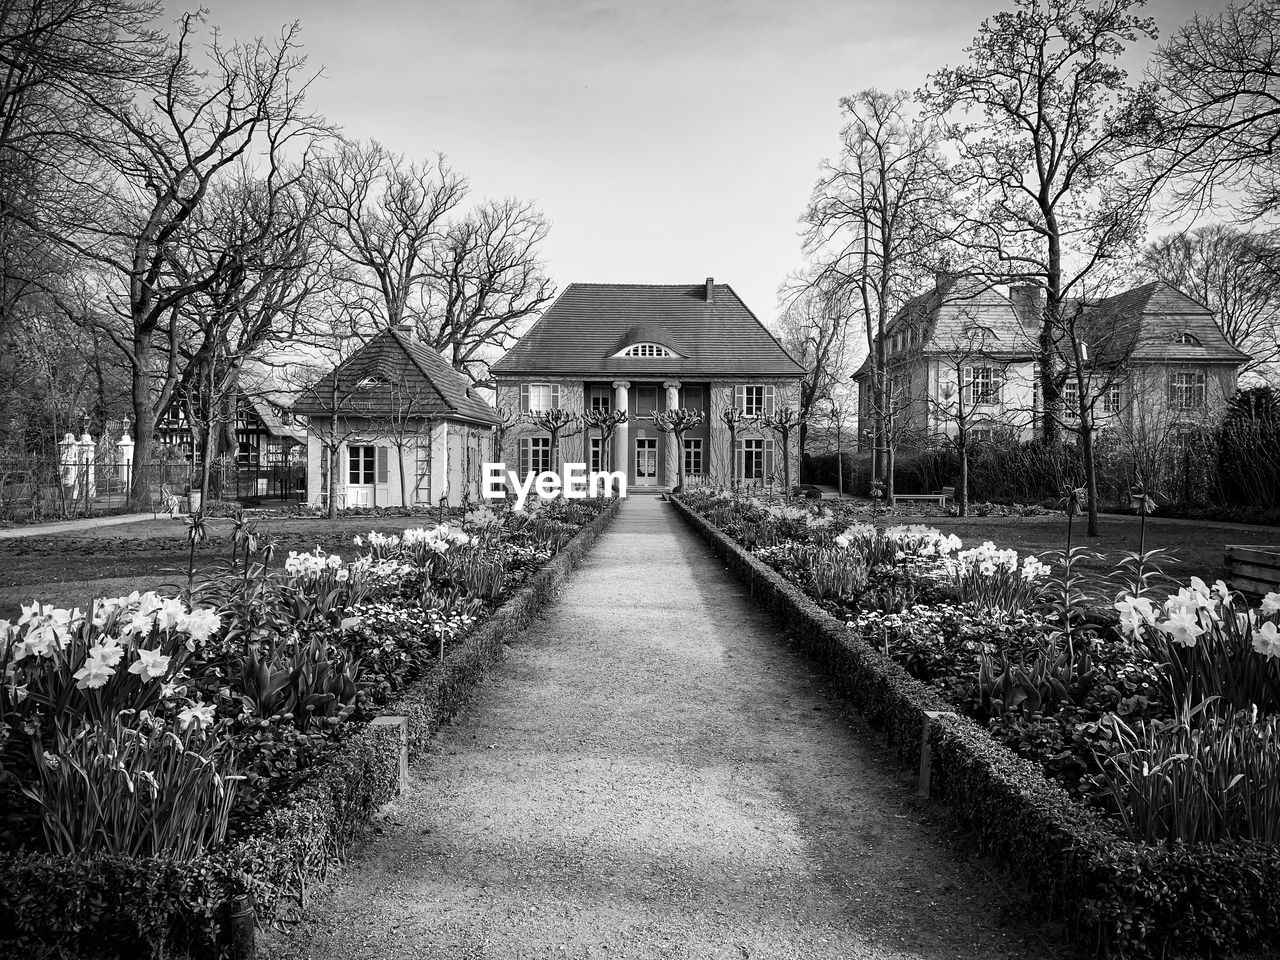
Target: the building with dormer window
pixel 646 348
pixel 963 345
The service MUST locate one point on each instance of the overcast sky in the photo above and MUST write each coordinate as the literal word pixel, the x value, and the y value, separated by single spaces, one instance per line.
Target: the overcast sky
pixel 666 140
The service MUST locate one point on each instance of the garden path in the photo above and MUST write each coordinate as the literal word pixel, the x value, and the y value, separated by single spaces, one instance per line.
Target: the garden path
pixel 651 774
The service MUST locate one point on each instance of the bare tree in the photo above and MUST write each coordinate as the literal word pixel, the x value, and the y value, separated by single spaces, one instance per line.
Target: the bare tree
pixel 814 328
pixel 959 393
pixel 239 103
pixel 874 224
pixel 1218 80
pixel 1049 133
pixel 488 280
pixel 387 215
pixel 1233 272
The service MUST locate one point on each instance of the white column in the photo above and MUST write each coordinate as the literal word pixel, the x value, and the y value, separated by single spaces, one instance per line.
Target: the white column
pixel 620 458
pixel 671 462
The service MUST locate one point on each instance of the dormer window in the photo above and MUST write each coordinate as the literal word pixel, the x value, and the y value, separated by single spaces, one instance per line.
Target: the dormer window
pixel 373 381
pixel 1185 338
pixel 646 350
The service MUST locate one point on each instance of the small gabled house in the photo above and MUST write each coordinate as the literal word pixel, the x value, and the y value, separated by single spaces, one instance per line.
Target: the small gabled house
pixel 969 346
pixel 401 426
pixel 643 348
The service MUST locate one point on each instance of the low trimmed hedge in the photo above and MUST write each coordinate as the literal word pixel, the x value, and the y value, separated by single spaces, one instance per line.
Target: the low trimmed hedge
pixel 108 907
pixel 1120 897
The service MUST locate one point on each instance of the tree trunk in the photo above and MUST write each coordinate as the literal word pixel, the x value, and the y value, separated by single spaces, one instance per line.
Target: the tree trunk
pixel 786 463
pixel 404 477
pixel 144 420
pixel 1090 471
pixel 206 467
pixel 888 487
pixel 963 506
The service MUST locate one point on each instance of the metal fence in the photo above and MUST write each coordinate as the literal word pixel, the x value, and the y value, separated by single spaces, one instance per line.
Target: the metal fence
pixel 52 488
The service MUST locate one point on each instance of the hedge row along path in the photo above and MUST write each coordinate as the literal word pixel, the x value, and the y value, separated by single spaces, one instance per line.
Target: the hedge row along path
pixel 650 773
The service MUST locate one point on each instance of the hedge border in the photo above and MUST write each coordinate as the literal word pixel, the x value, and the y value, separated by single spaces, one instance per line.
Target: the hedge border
pixel 1119 897
pixel 161 907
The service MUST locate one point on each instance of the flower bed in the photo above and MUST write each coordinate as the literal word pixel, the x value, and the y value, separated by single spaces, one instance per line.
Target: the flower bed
pixel 224 735
pixel 1053 706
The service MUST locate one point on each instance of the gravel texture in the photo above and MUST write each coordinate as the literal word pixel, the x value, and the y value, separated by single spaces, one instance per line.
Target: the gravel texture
pixel 652 774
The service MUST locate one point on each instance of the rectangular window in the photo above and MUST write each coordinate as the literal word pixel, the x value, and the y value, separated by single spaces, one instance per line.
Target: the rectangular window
pixel 755 458
pixel 422 472
pixel 692 398
pixel 1111 398
pixel 980 434
pixel 693 456
pixel 1186 391
pixel 982 386
pixel 597 454
pixel 755 400
pixel 646 399
pixel 539 397
pixel 1071 400
pixel 535 455
pixel 360 464
pixel 600 398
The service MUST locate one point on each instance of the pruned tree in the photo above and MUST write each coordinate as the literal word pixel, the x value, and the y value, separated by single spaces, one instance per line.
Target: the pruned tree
pixel 784 421
pixel 607 423
pixel 736 420
pixel 675 424
pixel 1049 134
pixel 558 423
pixel 1233 272
pixel 875 225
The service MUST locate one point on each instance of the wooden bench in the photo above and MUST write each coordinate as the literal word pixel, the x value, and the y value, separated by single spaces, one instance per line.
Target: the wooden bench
pixel 939 498
pixel 1253 570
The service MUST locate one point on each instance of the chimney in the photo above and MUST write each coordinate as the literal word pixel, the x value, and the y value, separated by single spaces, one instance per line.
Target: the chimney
pixel 407 329
pixel 711 289
pixel 1028 304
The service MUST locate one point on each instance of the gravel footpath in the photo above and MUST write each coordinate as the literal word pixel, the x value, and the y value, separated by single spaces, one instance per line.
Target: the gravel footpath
pixel 651 774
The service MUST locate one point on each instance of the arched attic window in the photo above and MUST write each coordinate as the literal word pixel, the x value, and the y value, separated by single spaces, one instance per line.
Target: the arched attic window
pixel 646 350
pixel 1183 337
pixel 374 380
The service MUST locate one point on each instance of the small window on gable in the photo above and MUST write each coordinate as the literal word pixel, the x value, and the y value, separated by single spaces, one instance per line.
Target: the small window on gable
pixel 646 350
pixel 373 381
pixel 1185 338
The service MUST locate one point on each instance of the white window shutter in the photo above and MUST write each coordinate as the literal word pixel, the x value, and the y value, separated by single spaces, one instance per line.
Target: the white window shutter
pixel 524 458
pixel 740 397
pixel 966 385
pixel 382 465
pixel 768 399
pixel 555 396
pixel 524 398
pixel 737 459
pixel 768 458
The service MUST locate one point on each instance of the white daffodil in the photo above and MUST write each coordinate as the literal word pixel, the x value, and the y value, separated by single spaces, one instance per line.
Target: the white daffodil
pixel 93 674
pixel 1266 640
pixel 150 665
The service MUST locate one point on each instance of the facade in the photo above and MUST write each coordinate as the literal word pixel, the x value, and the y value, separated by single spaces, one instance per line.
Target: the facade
pixel 403 426
pixel 965 349
pixel 645 348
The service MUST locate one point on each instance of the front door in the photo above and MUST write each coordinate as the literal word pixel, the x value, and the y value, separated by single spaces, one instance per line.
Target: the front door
pixel 361 460
pixel 646 461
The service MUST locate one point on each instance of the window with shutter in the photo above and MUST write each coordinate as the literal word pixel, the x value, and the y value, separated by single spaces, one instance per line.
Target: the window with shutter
pixel 382 465
pixel 768 399
pixel 524 398
pixel 740 399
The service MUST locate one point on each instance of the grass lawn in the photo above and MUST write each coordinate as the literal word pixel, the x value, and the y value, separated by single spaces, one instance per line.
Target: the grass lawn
pixel 73 569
